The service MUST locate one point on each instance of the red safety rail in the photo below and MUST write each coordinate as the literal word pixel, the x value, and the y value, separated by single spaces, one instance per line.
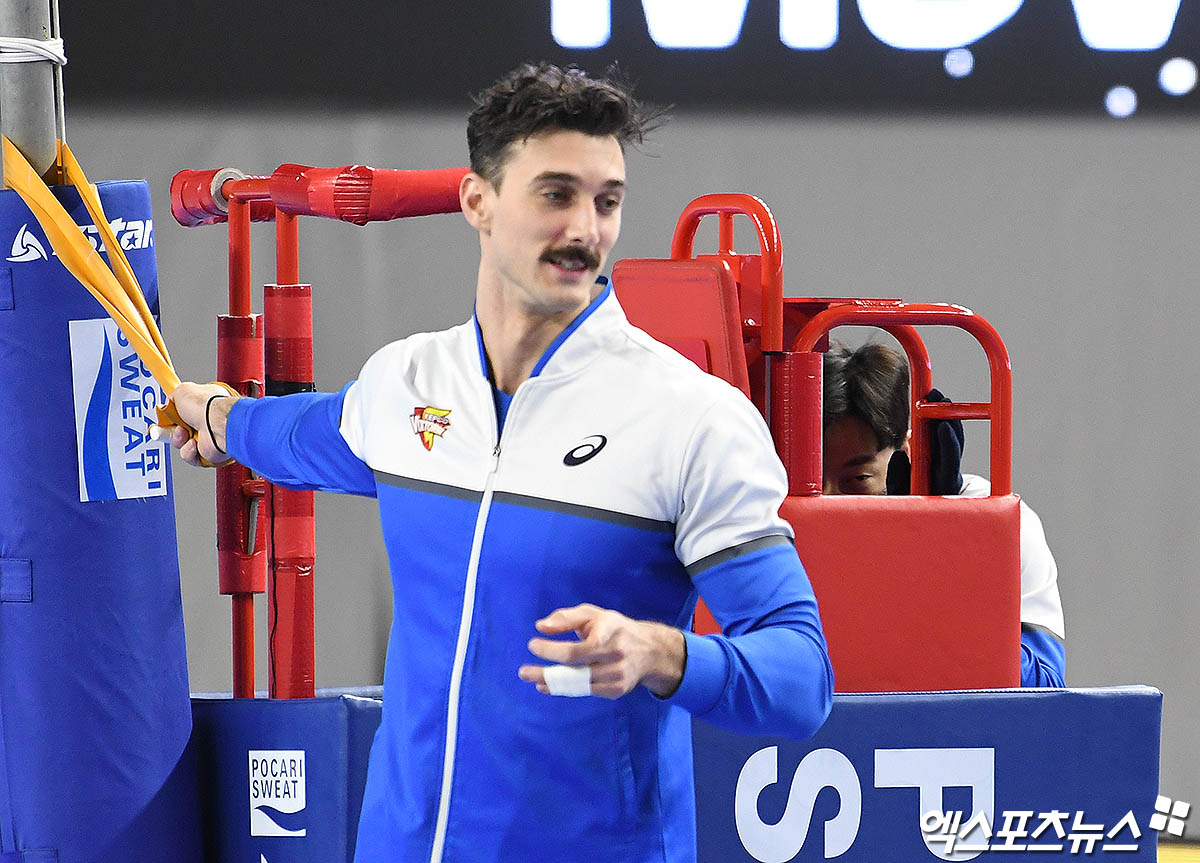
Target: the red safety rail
pixel 759 277
pixel 932 600
pixel 917 592
pixel 761 283
pixel 899 319
pixel 252 538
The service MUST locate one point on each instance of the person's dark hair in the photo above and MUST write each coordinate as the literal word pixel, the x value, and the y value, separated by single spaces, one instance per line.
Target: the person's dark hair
pixel 536 98
pixel 870 384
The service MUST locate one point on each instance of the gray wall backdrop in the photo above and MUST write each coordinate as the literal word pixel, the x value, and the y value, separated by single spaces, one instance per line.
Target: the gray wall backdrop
pixel 1075 238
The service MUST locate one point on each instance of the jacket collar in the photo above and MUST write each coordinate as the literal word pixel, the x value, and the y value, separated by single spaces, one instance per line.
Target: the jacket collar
pixel 575 343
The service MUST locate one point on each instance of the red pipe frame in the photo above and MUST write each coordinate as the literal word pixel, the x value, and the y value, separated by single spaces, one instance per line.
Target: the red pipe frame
pixel 240 194
pixel 899 320
pixel 896 318
pixel 243 195
pixel 726 206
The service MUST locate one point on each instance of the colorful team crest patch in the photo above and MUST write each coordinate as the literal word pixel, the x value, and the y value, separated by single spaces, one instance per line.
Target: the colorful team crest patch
pixel 429 423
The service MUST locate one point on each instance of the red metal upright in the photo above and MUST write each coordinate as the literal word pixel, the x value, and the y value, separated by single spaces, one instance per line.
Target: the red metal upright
pixel 287 312
pixel 353 193
pixel 241 521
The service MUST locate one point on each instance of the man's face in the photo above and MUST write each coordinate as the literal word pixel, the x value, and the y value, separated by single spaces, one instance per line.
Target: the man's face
pixel 854 463
pixel 546 232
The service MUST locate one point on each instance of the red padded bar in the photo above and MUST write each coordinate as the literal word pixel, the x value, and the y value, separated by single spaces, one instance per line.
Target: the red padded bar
pixel 398 194
pixel 954 410
pixel 916 593
pixel 361 194
pixel 287 312
pixel 240 350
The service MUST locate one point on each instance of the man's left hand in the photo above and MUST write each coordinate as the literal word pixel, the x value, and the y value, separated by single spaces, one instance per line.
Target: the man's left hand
pixel 619 651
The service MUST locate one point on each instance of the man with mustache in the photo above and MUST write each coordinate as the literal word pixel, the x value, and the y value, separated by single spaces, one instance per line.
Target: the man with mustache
pixel 555 489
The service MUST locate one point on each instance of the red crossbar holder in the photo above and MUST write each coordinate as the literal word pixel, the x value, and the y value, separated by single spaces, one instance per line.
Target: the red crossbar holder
pixel 784 338
pixel 900 319
pixel 280 535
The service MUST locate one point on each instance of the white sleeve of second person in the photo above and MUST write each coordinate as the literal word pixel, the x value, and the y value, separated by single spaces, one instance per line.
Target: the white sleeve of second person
pixel 1041 604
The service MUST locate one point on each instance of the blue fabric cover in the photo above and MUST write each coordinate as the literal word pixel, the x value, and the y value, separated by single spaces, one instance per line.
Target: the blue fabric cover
pixel 94 709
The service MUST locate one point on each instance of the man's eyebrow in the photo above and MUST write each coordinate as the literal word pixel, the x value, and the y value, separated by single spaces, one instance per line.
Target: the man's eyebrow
pixel 858 461
pixel 565 177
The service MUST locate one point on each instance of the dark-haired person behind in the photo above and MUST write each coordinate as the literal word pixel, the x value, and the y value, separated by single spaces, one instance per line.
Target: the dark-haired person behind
pixel 866 417
pixel 555 490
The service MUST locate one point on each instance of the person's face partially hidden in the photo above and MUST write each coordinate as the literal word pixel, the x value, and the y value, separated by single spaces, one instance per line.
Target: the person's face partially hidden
pixel 854 463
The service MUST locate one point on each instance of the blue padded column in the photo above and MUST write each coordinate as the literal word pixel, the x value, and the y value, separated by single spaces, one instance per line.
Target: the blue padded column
pixel 94 758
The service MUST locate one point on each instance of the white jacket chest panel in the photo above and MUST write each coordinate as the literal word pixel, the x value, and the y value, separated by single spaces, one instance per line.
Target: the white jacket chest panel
pixel 608 424
pixel 611 435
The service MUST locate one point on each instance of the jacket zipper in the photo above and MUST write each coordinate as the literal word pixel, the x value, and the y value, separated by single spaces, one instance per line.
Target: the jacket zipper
pixel 460 658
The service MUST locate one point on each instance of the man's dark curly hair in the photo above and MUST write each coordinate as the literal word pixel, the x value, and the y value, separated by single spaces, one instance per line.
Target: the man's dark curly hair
pixel 536 98
pixel 870 384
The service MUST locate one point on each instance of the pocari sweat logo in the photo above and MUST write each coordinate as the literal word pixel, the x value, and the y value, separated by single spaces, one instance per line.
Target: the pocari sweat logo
pixel 115 401
pixel 130 235
pixel 277 792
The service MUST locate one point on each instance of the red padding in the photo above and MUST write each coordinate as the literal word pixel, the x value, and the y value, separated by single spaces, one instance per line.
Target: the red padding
pixel 242 566
pixel 240 350
pixel 361 194
pixel 916 593
pixel 681 301
pixel 287 313
pixel 192 200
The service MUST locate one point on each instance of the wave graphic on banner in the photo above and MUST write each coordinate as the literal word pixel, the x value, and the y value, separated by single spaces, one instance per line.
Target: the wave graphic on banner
pixel 291 822
pixel 97 474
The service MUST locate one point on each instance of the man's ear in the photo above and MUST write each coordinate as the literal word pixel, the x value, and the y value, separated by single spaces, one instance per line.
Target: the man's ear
pixel 474 196
pixel 906 446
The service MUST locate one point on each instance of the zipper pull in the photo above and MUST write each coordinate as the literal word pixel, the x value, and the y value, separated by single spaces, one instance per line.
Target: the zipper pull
pixel 496 458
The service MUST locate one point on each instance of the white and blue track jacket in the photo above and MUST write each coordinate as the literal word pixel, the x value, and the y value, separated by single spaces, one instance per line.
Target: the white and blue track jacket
pixel 624 477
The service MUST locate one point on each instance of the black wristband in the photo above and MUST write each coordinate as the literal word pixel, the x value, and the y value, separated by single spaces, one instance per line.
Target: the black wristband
pixel 208 422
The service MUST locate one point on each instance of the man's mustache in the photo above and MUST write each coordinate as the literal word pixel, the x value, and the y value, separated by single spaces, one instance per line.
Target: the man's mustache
pixel 590 260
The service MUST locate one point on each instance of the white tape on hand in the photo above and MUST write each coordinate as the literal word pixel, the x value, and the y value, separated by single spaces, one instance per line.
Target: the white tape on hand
pixel 572 681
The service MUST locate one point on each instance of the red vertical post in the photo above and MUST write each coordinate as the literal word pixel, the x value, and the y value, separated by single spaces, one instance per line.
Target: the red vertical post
pixel 239 256
pixel 725 233
pixel 287 308
pixel 795 419
pixel 287 249
pixel 241 521
pixel 289 369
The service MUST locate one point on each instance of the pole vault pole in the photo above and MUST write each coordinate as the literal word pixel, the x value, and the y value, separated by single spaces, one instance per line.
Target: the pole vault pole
pixel 29 101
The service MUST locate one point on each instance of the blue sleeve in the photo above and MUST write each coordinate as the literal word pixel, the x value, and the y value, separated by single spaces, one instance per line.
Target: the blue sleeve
pixel 1043 659
pixel 295 442
pixel 769 671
